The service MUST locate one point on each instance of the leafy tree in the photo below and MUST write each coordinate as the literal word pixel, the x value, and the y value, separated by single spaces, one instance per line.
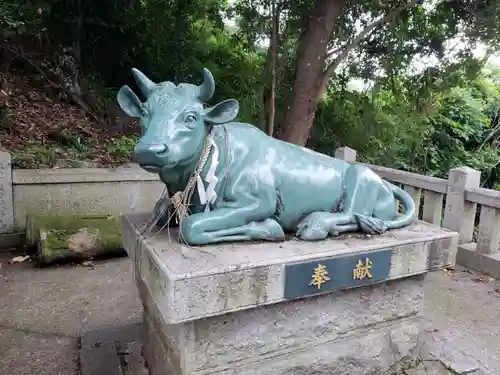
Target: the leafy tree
pixel 376 38
pixel 428 123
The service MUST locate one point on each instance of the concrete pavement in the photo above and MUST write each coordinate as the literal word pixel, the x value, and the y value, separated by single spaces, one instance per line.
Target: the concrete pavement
pixel 465 308
pixel 43 311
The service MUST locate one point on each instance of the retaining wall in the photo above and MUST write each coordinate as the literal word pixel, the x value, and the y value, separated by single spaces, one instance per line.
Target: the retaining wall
pixel 109 191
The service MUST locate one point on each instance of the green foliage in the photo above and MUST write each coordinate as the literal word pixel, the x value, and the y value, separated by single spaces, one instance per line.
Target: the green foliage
pixel 236 70
pixel 67 138
pixel 427 131
pixel 34 156
pixel 20 17
pixel 427 123
pixel 121 146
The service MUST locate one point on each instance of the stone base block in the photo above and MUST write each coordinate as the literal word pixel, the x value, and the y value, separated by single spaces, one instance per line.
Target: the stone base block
pixel 489 264
pixel 343 306
pixel 370 351
pixel 367 330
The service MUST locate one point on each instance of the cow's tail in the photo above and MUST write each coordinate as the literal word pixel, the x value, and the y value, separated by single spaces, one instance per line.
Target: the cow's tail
pixel 373 225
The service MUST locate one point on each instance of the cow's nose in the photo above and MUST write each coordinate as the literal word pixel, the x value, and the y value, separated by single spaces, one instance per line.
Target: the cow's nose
pixel 158 149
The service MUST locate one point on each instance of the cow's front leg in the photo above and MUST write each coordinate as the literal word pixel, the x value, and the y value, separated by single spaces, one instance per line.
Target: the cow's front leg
pixel 162 213
pixel 231 224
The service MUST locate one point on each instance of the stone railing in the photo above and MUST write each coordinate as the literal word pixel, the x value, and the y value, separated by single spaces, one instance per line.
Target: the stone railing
pixel 452 204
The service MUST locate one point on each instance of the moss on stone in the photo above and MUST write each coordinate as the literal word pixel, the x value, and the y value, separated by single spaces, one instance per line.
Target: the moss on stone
pixel 78 236
pixel 58 238
pixel 109 228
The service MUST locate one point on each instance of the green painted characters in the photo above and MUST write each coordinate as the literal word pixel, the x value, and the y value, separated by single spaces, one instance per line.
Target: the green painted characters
pixel 230 181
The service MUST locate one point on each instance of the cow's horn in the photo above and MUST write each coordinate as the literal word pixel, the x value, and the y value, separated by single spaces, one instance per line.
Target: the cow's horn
pixel 207 88
pixel 144 83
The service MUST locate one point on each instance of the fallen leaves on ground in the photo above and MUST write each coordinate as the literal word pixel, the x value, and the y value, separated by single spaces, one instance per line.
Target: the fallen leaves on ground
pixel 88 263
pixel 483 279
pixel 449 271
pixel 19 259
pixel 33 116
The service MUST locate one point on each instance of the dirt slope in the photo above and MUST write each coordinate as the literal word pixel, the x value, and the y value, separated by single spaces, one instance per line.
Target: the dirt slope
pixel 42 131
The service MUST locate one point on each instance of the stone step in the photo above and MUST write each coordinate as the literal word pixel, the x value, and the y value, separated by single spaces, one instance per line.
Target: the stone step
pixel 439 356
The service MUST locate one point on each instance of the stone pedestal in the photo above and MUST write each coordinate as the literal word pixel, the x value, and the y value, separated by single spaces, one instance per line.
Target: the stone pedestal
pixel 255 308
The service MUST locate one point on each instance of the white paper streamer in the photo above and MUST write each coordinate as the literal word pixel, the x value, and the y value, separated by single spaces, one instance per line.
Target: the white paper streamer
pixel 208 195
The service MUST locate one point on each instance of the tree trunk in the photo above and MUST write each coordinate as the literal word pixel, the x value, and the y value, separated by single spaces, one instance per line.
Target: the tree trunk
pixel 274 52
pixel 309 69
pixel 262 93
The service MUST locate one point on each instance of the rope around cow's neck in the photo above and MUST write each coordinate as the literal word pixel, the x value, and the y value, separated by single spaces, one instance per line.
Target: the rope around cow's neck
pixel 181 199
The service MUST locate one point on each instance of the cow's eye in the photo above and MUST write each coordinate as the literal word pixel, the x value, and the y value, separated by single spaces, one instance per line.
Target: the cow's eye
pixel 144 113
pixel 190 118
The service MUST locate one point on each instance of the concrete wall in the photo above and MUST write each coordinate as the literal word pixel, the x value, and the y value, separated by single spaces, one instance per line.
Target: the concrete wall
pixel 6 209
pixel 82 191
pixel 70 192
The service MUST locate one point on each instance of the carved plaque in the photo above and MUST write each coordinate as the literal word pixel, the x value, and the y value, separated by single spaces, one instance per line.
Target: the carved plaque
pixel 337 273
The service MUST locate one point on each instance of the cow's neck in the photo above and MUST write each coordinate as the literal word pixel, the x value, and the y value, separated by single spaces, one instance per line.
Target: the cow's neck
pixel 177 178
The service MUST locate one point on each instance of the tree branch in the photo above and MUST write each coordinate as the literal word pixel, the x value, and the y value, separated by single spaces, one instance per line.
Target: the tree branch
pixel 334 52
pixel 344 51
pixel 59 86
pixel 381 4
pixel 20 54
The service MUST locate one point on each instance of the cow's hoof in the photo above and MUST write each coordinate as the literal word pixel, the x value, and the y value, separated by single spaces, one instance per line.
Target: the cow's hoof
pixel 311 234
pixel 268 229
pixel 314 227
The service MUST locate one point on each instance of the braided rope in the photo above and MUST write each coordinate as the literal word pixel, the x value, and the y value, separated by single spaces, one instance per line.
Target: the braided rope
pixel 181 199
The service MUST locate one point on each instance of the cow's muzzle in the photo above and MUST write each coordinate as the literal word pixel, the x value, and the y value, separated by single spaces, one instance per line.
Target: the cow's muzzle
pixel 151 156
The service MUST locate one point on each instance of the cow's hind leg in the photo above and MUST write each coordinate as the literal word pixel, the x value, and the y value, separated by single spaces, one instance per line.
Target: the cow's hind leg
pixel 362 190
pixel 318 225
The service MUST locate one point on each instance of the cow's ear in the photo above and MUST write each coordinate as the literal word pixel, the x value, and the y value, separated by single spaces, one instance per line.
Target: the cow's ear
pixel 129 102
pixel 222 112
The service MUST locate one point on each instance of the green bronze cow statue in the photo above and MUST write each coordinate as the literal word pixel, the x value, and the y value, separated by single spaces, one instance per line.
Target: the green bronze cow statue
pixel 239 183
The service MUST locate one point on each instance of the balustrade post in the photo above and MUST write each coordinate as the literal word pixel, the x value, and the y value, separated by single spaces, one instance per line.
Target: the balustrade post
pixel 433 207
pixel 459 214
pixel 346 153
pixel 488 238
pixel 415 194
